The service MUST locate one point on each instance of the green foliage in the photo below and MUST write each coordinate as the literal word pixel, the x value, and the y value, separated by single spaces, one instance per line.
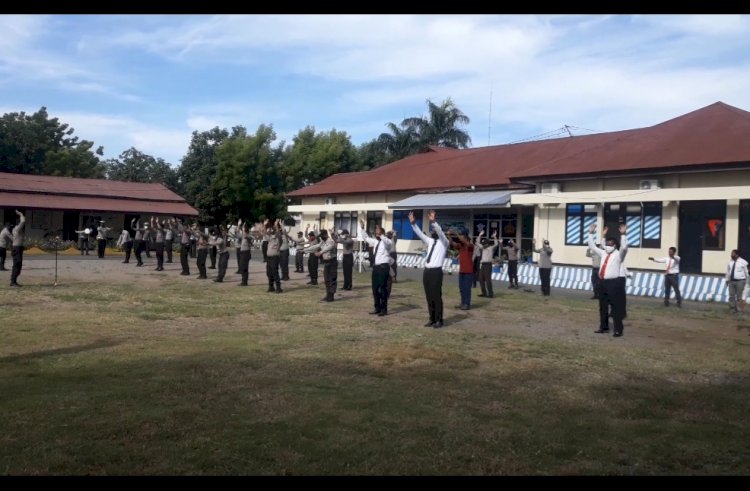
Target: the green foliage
pixel 136 166
pixel 36 144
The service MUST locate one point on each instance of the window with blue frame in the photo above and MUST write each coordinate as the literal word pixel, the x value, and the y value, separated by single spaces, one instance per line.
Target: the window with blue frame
pixel 578 218
pixel 644 223
pixel 402 226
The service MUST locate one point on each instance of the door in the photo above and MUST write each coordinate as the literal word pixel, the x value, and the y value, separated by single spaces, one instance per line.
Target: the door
pixel 744 235
pixel 70 225
pixel 690 246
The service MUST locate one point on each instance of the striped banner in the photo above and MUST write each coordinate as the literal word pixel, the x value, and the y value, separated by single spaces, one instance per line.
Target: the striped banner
pixel 573 230
pixel 651 227
pixel 634 230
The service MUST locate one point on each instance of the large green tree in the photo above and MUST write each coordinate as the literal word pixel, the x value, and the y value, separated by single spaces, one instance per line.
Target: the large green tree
pixel 38 144
pixel 247 180
pixel 313 156
pixel 135 166
pixel 198 170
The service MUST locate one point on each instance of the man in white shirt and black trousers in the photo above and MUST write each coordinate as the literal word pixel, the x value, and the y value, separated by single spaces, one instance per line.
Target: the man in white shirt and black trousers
pixel 381 267
pixel 611 290
pixel 432 277
pixel 736 277
pixel 671 276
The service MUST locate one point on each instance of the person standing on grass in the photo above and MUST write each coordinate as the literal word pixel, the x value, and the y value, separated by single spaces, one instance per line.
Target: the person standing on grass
pixel 671 276
pixel 220 241
pixel 284 254
pixel 135 224
pixel 169 237
pixel 245 254
pixel 347 257
pixel 6 242
pixel 736 278
pixel 382 267
pixel 465 248
pixel 158 228
pixel 486 251
pixel 101 239
pixel 201 253
pixel 185 235
pixel 125 243
pixel 83 241
pixel 326 251
pixel 18 235
pixel 545 265
pixel 212 252
pixel 273 252
pixel 512 250
pixel 299 253
pixel 432 276
pixel 393 235
pixel 596 263
pixel 611 291
pixel 312 259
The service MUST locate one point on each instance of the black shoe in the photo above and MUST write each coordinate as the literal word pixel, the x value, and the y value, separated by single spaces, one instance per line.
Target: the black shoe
pixel 617 335
pixel 139 264
pixel 679 305
pixel 491 296
pixel 382 313
pixel 374 312
pixel 465 307
pixel 16 285
pixel 202 278
pixel 184 273
pixel 511 287
pixel 458 306
pixel 430 324
pixel 279 290
pixel 242 284
pixel 601 331
pixel 285 279
pixel 124 262
pixel 438 325
pixel 218 281
pixel 481 295
pixel 212 267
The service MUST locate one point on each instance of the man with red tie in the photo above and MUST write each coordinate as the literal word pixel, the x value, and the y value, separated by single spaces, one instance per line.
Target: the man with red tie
pixel 611 291
pixel 671 276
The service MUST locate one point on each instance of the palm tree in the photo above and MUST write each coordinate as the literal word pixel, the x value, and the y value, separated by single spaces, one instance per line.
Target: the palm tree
pixel 399 143
pixel 440 128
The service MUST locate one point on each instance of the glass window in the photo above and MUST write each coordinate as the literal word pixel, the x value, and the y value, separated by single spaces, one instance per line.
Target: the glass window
pixel 578 218
pixel 402 226
pixel 346 220
pixel 714 223
pixel 644 225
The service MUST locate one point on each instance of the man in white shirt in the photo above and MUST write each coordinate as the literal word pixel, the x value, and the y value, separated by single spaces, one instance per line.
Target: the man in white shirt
pixel 381 267
pixel 671 276
pixel 432 277
pixel 735 278
pixel 611 291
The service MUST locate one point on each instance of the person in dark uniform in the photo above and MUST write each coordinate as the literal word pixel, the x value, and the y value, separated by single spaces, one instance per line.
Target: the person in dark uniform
pixel 545 265
pixel 244 238
pixel 18 234
pixel 220 241
pixel 432 277
pixel 284 254
pixel 138 240
pixel 6 242
pixel 299 253
pixel 147 238
pixel 512 250
pixel 212 249
pixel 272 255
pixel 83 240
pixel 326 251
pixel 158 228
pixel 382 266
pixel 264 244
pixel 347 257
pixel 101 239
pixel 312 259
pixel 185 235
pixel 125 243
pixel 486 251
pixel 201 253
pixel 169 238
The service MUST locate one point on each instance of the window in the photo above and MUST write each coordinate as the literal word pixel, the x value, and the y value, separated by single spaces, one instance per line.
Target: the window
pixel 402 226
pixel 644 225
pixel 373 218
pixel 578 218
pixel 346 220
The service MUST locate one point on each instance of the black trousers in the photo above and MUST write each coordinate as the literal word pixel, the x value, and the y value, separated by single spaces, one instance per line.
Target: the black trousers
pixel 485 279
pixel 101 246
pixel 330 268
pixel 184 252
pixel 477 263
pixel 513 271
pixel 3 252
pixel 138 248
pixel 245 265
pixel 348 266
pixel 223 264
pixel 201 263
pixel 299 262
pixel 544 275
pixel 237 255
pixel 160 255
pixel 193 248
pixel 312 267
pixel 380 274
pixel 595 280
pixel 146 247
pixel 83 245
pixel 272 272
pixel 213 257
pixel 168 248
pixel 394 266
pixel 128 250
pixel 432 280
pixel 264 250
pixel 284 263
pixel 611 295
pixel 672 281
pixel 17 255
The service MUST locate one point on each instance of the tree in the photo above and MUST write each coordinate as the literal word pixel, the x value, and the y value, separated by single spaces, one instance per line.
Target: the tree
pixel 36 144
pixel 247 176
pixel 415 134
pixel 136 166
pixel 314 156
pixel 198 170
pixel 373 154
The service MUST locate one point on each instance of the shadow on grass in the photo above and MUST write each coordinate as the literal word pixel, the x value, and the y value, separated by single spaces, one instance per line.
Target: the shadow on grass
pixel 102 343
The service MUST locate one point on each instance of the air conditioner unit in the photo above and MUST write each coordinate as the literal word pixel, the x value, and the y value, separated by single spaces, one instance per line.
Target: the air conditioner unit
pixel 551 187
pixel 650 184
pixel 330 201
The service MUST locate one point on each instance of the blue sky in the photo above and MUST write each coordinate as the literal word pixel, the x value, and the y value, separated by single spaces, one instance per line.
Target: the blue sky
pixel 149 81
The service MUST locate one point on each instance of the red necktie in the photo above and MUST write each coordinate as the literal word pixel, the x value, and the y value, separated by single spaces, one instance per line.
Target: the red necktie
pixel 604 267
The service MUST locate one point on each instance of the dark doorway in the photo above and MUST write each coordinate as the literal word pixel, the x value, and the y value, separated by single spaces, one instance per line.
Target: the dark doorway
pixel 744 235
pixel 126 224
pixel 690 238
pixel 70 225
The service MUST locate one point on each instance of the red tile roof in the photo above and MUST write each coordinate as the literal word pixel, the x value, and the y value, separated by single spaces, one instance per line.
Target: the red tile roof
pixel 716 134
pixel 68 193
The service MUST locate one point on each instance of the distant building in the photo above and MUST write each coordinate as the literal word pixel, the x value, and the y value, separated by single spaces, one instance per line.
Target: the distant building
pixel 62 205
